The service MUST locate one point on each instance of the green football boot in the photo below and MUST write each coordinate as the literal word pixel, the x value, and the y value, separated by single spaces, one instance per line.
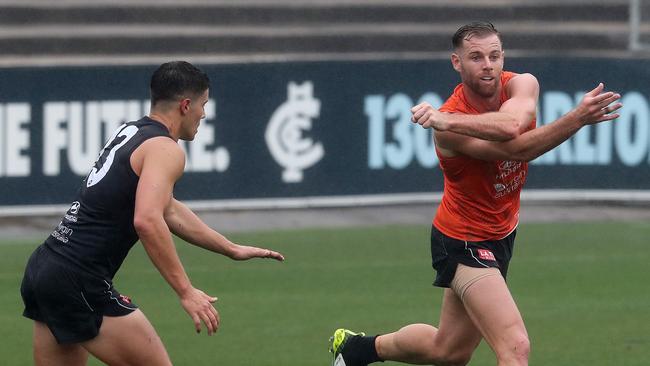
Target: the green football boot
pixel 337 344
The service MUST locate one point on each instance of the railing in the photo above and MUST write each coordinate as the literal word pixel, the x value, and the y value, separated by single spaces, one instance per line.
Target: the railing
pixel 639 22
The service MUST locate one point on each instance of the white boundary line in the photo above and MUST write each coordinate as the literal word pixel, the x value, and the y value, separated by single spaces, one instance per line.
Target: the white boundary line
pixel 532 195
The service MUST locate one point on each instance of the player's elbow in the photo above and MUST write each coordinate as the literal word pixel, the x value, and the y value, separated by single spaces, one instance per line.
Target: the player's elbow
pixel 513 130
pixel 508 131
pixel 144 223
pixel 511 133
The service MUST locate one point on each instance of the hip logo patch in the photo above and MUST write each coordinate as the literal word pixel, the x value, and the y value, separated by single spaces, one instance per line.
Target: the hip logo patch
pixel 125 299
pixel 486 255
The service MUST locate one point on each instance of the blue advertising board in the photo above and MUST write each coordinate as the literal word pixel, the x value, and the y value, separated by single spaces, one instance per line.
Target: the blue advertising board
pixel 306 129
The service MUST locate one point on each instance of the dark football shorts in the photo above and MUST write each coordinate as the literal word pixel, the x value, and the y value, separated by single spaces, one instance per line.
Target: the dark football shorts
pixel 447 253
pixel 71 302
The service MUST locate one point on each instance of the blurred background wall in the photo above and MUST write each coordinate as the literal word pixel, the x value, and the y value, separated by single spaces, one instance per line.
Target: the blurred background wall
pixel 310 99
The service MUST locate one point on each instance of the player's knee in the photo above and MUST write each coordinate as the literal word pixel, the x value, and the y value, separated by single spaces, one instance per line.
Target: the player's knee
pixel 524 350
pixel 516 351
pixel 521 347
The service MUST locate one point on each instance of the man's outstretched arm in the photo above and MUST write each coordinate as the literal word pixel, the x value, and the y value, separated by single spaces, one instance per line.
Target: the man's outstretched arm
pixel 513 118
pixel 159 162
pixel 596 106
pixel 189 227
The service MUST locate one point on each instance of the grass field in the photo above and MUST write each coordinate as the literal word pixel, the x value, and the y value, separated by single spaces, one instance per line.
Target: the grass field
pixel 582 288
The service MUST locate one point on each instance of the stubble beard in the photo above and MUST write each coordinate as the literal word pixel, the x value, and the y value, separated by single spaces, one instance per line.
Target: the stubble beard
pixel 485 91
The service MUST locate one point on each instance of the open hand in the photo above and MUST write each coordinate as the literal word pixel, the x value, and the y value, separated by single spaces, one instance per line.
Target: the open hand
pixel 244 252
pixel 199 307
pixel 598 106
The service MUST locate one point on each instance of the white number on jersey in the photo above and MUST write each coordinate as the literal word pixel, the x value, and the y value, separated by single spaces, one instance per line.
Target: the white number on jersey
pixel 119 138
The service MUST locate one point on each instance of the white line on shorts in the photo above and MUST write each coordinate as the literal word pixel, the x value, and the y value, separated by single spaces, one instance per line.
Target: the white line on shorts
pixel 476 259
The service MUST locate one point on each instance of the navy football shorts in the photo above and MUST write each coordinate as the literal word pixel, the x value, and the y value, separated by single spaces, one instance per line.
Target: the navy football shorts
pixel 71 302
pixel 447 253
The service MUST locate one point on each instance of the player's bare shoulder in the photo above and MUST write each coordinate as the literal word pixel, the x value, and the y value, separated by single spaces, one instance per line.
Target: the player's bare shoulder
pixel 161 151
pixel 525 84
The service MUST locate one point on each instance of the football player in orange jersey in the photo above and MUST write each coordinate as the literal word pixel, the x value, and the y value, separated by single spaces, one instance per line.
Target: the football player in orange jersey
pixel 485 134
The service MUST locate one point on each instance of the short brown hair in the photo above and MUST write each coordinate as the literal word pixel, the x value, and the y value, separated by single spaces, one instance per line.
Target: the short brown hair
pixel 473 29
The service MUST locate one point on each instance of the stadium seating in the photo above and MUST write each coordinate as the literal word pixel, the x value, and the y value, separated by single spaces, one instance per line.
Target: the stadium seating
pixel 290 29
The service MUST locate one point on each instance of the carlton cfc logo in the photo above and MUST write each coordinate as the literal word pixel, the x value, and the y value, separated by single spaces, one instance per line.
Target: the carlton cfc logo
pixel 284 133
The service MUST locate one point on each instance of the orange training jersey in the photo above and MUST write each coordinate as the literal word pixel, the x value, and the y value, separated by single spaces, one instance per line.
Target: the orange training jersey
pixel 481 198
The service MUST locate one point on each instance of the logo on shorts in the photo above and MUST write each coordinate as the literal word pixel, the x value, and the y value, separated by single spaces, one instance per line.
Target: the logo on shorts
pixel 486 255
pixel 125 299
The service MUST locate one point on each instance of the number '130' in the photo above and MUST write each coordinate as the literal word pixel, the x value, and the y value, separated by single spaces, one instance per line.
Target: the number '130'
pixel 393 140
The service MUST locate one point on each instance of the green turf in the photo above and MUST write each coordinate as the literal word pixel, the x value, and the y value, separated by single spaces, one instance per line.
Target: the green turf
pixel 582 288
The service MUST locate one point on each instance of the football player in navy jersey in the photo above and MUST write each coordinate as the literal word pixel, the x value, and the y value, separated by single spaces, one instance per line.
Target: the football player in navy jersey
pixel 127 196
